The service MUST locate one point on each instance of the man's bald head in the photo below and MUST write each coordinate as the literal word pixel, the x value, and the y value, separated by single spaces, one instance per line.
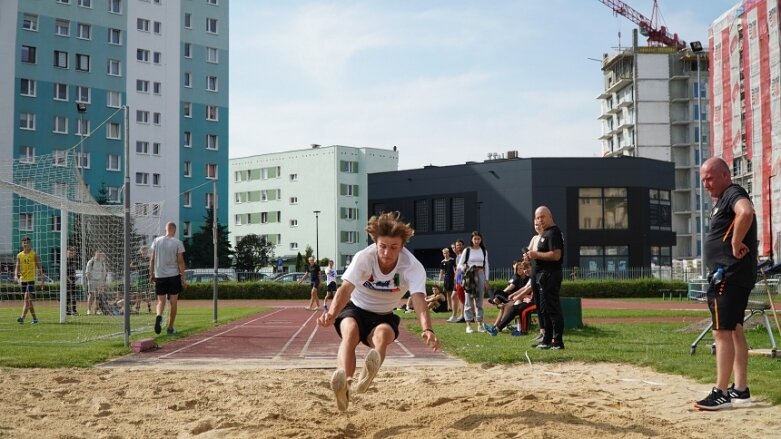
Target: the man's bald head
pixel 715 176
pixel 543 218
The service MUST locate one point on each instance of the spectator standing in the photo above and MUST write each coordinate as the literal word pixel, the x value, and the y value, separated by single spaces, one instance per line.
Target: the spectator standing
pixel 96 274
pixel 535 287
pixel 167 272
pixel 313 273
pixel 458 296
pixel 548 273
pixel 28 264
pixel 475 259
pixel 330 283
pixel 731 257
pixel 447 275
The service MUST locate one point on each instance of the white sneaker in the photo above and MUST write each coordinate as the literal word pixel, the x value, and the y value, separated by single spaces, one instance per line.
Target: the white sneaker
pixel 450 319
pixel 371 365
pixel 469 329
pixel 339 386
pixel 480 327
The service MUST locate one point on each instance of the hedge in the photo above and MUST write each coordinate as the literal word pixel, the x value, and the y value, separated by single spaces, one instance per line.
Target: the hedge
pixel 595 289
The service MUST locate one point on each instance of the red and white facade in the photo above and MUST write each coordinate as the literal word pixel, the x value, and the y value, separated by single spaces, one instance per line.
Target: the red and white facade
pixel 745 104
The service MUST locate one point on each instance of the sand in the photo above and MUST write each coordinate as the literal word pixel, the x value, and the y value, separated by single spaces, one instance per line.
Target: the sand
pixel 529 401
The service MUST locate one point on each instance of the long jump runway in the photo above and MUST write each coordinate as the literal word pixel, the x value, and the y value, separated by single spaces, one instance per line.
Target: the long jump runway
pixel 283 338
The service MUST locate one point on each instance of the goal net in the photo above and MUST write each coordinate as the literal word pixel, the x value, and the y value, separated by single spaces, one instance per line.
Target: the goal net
pixel 80 243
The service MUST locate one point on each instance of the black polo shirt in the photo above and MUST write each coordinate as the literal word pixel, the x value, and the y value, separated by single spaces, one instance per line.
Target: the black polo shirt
pixel 551 239
pixel 718 241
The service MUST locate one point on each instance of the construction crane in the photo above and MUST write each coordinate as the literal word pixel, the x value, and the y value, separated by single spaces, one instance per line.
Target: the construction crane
pixel 648 27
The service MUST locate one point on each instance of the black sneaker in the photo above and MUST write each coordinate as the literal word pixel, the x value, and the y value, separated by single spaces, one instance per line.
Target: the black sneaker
pixel 158 321
pixel 716 400
pixel 738 396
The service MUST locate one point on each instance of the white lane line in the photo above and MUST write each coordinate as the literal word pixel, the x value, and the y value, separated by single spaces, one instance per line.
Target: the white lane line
pixel 263 317
pixel 404 348
pixel 293 337
pixel 304 350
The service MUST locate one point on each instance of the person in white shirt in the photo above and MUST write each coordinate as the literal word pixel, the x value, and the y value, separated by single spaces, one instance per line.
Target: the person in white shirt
pixel 330 283
pixel 166 270
pixel 362 309
pixel 474 262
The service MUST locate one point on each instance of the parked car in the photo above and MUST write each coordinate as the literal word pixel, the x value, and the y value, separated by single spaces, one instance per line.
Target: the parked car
pixel 289 277
pixel 208 277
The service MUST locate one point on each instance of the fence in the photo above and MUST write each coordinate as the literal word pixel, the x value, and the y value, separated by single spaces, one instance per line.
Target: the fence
pixel 578 274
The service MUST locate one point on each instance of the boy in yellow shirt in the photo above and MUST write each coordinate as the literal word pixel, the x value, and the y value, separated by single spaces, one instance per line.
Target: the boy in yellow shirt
pixel 28 263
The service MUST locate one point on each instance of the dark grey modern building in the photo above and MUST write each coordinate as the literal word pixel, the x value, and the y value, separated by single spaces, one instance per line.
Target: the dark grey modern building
pixel 615 212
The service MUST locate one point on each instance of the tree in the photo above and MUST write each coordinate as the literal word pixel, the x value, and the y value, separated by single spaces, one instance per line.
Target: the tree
pixel 199 249
pixel 253 252
pixel 302 260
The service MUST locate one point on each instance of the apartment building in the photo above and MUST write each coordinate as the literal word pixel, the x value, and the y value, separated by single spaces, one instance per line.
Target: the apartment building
pixel 745 83
pixel 654 105
pixel 75 65
pixel 314 197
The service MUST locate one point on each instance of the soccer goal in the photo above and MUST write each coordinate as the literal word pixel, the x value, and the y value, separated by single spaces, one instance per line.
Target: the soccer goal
pixel 81 246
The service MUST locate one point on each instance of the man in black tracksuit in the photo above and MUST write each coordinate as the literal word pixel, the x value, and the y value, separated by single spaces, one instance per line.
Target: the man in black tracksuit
pixel 548 274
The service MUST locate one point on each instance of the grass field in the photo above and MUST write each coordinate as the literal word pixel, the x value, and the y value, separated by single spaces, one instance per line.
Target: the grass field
pixel 663 347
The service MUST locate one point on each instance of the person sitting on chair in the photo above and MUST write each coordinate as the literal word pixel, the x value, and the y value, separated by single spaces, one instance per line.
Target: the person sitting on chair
pixel 521 302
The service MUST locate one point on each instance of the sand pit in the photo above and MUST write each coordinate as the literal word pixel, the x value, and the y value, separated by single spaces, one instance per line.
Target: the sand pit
pixel 551 401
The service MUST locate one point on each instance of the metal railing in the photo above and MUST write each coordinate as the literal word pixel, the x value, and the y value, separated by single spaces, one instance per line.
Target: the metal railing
pixel 579 274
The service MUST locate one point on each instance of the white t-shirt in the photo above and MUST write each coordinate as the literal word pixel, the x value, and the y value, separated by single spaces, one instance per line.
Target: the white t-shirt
pixel 378 292
pixel 166 251
pixel 330 275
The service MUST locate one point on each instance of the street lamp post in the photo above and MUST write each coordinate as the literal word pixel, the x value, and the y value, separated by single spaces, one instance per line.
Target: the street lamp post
pixel 317 236
pixel 696 47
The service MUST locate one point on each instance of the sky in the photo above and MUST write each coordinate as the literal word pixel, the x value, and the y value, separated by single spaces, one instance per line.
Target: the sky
pixel 445 81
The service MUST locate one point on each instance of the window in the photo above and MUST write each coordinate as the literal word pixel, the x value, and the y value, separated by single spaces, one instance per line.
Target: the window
pixel 440 214
pixel 28 54
pixel 187 229
pixel 83 160
pixel 155 179
pixel 188 79
pixel 209 200
pixel 158 27
pixel 212 2
pixel 211 171
pixel 156 147
pixel 65 2
pixel 113 67
pixel 60 159
pixel 188 169
pixel 113 131
pixel 26 154
pixel 293 223
pixel 85 3
pixel 157 87
pixel 83 94
pixel 349 190
pixel 603 208
pixel 157 57
pixel 293 200
pixel 211 83
pixel 84 31
pixel 113 162
pixel 212 113
pixel 660 212
pixel 27 87
pixel 661 256
pixel 188 139
pixel 187 111
pixel 349 213
pixel 293 177
pixel 212 142
pixel 30 22
pixel 187 199
pixel 26 222
pixel 610 259
pixel 142 147
pixel 142 116
pixel 82 62
pixel 348 237
pixel 422 216
pixel 157 118
pixel 115 6
pixel 142 24
pixel 188 20
pixel 113 99
pixel 188 50
pixel 211 25
pixel 113 194
pixel 60 59
pixel 142 86
pixel 27 121
pixel 142 178
pixel 212 55
pixel 62 28
pixel 114 36
pixel 142 55
pixel 347 166
pixel 83 127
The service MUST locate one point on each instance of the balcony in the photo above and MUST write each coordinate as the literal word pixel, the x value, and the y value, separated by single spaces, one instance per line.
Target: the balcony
pixel 618 85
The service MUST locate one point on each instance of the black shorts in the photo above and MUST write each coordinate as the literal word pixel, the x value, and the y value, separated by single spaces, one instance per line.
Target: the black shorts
pixel 331 287
pixel 367 321
pixel 316 284
pixel 168 285
pixel 449 284
pixel 28 287
pixel 727 303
